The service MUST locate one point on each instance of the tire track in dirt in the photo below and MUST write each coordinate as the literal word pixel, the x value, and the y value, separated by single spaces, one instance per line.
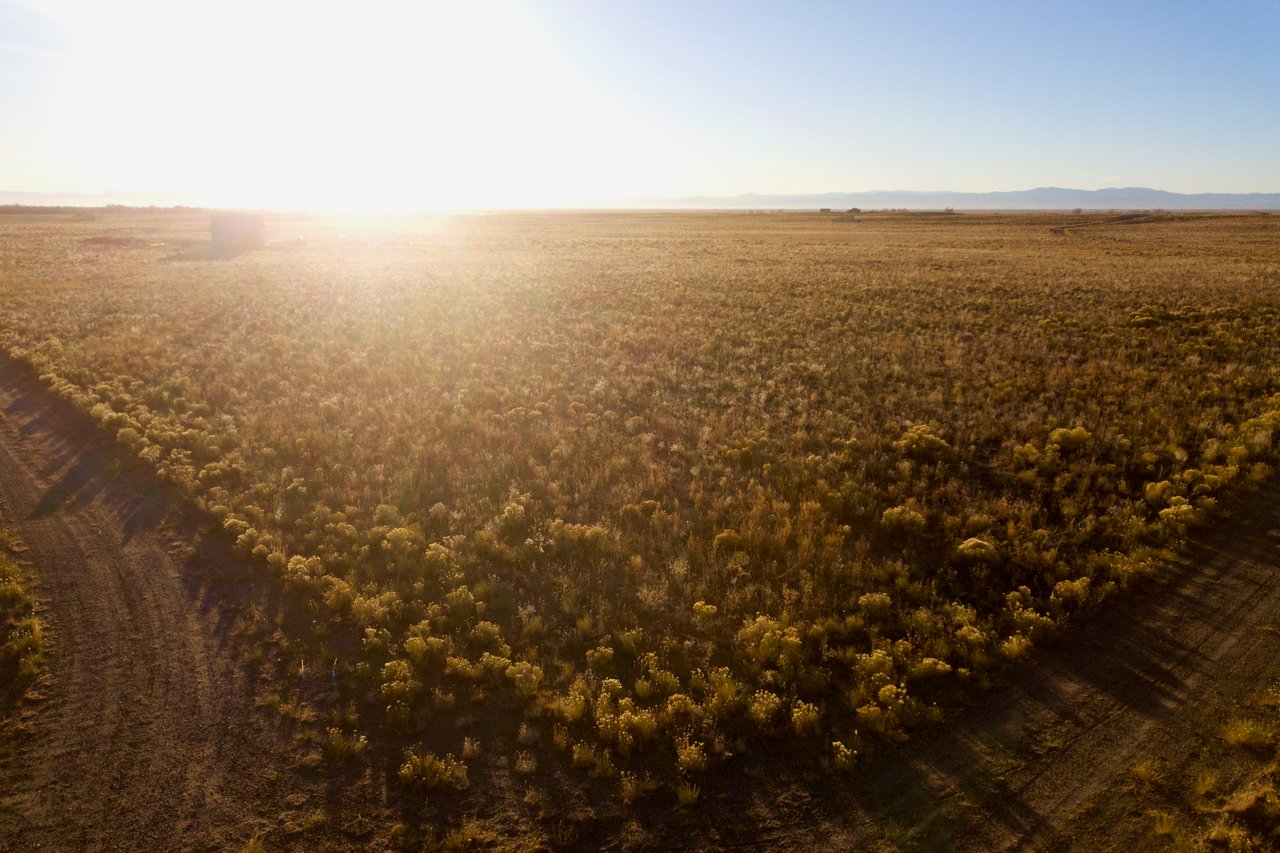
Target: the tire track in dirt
pixel 148 737
pixel 1157 675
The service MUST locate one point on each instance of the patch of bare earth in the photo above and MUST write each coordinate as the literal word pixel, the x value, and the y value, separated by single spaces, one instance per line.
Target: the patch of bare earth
pixel 147 735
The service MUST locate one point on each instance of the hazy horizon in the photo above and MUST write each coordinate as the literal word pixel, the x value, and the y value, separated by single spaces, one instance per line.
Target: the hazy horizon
pixel 1034 199
pixel 403 106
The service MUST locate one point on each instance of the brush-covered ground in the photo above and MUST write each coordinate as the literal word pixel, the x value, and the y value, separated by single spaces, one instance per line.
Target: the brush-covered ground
pixel 578 529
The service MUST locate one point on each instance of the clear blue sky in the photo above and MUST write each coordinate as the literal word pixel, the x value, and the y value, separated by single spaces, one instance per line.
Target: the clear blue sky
pixel 576 102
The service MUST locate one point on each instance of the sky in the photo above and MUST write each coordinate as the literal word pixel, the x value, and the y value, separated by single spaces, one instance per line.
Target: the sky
pixel 382 105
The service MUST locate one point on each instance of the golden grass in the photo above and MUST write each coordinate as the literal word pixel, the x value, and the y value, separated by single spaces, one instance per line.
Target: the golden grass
pixel 23 644
pixel 673 479
pixel 1250 734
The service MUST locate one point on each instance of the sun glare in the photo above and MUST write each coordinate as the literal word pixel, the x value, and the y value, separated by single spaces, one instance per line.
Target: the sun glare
pixel 382 107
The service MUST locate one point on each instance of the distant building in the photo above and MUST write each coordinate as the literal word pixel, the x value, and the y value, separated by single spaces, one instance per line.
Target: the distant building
pixel 238 232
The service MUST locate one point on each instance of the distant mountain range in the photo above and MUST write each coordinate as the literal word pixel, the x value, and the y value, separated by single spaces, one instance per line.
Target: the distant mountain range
pixel 1041 198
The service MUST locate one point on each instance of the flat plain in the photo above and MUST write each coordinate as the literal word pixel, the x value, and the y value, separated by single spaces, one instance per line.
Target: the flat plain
pixel 590 530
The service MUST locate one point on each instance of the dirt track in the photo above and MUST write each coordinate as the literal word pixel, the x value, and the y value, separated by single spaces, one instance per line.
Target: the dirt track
pixel 147 737
pixel 1047 762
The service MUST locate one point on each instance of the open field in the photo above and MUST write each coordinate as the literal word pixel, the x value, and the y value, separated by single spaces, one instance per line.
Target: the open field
pixel 582 529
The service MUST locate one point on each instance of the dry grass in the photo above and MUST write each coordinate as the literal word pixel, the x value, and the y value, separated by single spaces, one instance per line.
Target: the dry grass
pixel 1249 734
pixel 1205 781
pixel 23 644
pixel 1147 771
pixel 672 479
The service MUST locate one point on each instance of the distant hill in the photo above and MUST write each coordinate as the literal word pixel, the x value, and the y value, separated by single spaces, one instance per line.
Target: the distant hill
pixel 1041 198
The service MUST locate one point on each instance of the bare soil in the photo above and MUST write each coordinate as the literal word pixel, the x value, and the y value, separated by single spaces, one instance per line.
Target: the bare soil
pixel 148 737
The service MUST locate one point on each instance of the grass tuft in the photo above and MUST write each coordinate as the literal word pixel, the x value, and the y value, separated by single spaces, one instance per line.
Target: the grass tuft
pixel 1248 734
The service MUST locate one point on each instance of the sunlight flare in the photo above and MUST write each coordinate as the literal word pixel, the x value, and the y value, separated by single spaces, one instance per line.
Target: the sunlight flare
pixel 394 107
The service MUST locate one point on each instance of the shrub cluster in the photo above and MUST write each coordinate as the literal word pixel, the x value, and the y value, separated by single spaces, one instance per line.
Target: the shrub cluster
pixel 679 485
pixel 22 639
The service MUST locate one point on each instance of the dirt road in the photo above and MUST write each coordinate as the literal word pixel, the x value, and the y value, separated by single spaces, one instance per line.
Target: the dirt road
pixel 1047 761
pixel 148 737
